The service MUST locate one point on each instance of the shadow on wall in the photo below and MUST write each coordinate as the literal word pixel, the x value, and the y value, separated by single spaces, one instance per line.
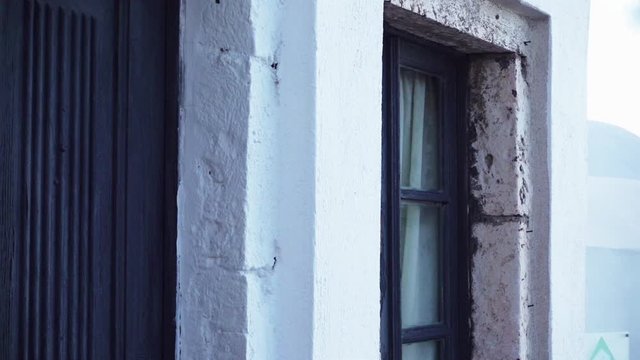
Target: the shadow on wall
pixel 613 252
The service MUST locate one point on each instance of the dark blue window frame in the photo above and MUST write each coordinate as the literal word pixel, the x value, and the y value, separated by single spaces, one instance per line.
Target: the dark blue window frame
pixel 450 67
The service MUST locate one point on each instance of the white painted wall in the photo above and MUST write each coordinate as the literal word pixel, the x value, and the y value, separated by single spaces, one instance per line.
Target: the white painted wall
pixel 216 50
pixel 348 178
pixel 279 238
pixel 279 195
pixel 567 173
pixel 278 202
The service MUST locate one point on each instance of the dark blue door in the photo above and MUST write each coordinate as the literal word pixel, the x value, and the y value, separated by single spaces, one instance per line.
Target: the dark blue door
pixel 87 183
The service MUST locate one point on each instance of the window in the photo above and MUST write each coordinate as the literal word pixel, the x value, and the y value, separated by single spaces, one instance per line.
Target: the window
pixel 424 253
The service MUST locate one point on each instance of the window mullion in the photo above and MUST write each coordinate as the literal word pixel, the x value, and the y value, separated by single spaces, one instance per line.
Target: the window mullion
pixel 394 176
pixel 427 196
pixel 426 333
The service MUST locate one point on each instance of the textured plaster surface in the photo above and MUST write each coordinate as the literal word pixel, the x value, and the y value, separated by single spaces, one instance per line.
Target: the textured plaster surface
pixel 568 173
pixel 348 141
pixel 216 47
pixel 245 198
pixel 500 306
pixel 498 126
pixel 279 189
pixel 470 26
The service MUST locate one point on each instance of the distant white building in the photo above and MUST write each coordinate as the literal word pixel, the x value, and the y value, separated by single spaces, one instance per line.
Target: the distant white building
pixel 613 244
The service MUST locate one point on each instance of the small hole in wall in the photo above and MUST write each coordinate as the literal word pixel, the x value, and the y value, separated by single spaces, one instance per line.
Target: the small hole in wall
pixel 217 1
pixel 488 159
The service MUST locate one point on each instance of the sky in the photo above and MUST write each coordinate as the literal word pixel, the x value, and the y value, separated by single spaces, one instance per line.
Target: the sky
pixel 614 63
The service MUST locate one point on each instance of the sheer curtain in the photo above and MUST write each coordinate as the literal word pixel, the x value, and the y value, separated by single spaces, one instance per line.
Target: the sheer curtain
pixel 419 251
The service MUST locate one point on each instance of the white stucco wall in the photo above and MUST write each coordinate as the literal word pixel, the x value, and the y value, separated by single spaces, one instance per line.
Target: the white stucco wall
pixel 279 236
pixel 211 296
pixel 567 173
pixel 348 162
pixel 279 193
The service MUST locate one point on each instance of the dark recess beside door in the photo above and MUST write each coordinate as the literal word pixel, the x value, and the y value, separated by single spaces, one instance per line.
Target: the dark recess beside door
pixel 88 124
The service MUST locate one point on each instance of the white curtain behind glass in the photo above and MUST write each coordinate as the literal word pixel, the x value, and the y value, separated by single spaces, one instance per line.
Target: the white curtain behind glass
pixel 419 224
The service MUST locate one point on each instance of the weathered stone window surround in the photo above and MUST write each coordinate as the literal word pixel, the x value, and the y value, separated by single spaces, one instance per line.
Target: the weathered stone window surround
pixel 507 107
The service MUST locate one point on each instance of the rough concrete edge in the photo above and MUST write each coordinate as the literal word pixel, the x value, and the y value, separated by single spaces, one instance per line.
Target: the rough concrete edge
pixel 492 77
pixel 535 69
pixel 419 25
pixel 524 8
pixel 180 105
pixel 475 26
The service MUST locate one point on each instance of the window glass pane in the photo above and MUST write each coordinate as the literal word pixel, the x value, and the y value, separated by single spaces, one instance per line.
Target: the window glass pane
pixel 428 350
pixel 419 135
pixel 420 278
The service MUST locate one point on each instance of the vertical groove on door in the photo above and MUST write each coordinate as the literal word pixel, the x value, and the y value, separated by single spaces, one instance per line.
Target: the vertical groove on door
pixel 49 197
pixel 55 283
pixel 118 269
pixel 63 198
pixel 81 285
pixel 74 212
pixel 37 183
pixel 86 111
pixel 26 245
pixel 84 208
pixel 91 95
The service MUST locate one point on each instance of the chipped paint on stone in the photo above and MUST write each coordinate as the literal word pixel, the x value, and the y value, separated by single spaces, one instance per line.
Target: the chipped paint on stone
pixel 471 26
pixel 500 306
pixel 498 126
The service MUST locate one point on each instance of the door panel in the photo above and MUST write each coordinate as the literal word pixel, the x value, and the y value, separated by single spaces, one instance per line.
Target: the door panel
pixel 85 180
pixel 65 201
